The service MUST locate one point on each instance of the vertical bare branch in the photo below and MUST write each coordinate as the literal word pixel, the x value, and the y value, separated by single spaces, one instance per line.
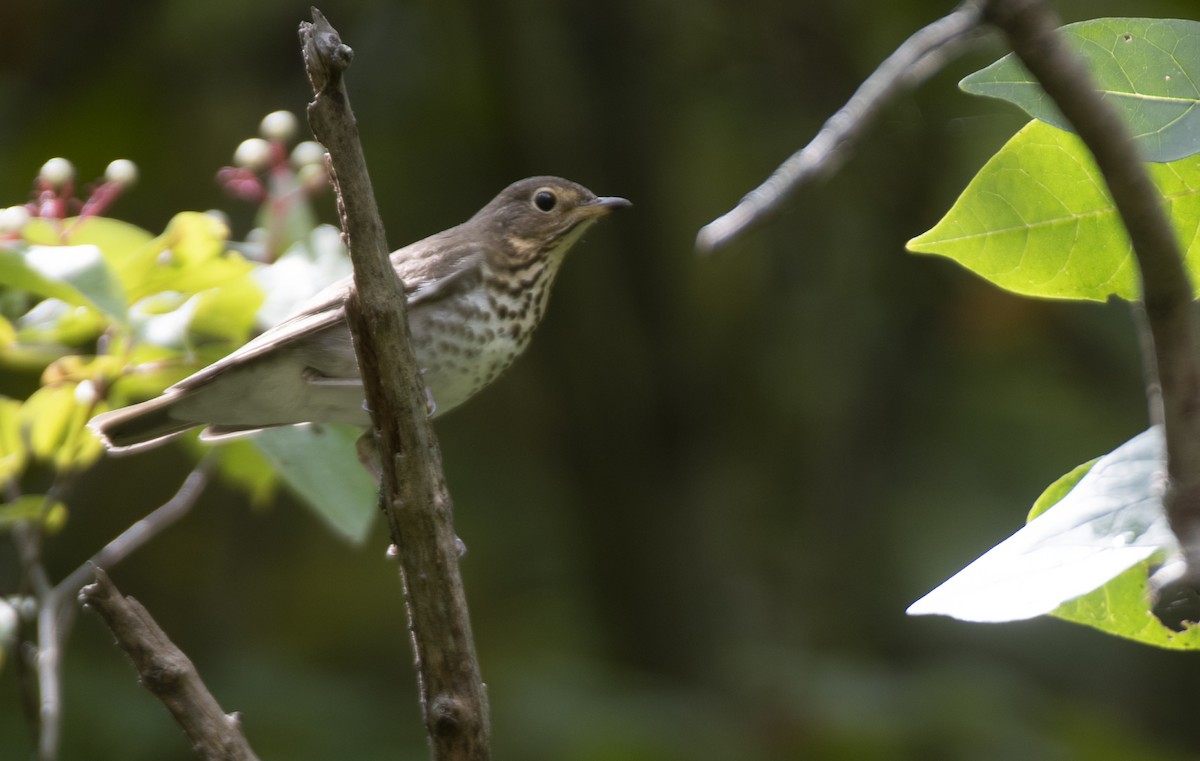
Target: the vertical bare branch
pixel 1030 26
pixel 413 488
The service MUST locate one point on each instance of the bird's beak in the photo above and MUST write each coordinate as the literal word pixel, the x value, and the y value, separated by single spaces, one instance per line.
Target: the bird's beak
pixel 604 204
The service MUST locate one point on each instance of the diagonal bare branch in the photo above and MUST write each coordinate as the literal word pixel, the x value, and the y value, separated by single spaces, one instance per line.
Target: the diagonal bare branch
pixel 919 57
pixel 165 671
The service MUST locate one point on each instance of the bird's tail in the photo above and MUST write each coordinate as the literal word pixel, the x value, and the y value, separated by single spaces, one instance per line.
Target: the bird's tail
pixel 139 426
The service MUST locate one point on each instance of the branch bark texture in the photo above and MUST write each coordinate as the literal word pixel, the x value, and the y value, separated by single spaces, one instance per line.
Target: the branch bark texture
pixel 1167 292
pixel 414 497
pixel 168 673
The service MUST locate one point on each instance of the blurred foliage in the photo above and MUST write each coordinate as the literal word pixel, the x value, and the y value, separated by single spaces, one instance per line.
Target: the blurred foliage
pixel 697 508
pixel 112 315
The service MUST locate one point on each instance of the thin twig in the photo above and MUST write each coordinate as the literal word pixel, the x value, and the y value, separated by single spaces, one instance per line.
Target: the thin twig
pixel 45 661
pixel 919 57
pixel 1031 28
pixel 136 536
pixel 165 671
pixel 413 494
pixel 56 604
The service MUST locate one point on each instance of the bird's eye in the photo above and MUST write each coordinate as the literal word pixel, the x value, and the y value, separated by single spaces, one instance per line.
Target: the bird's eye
pixel 545 200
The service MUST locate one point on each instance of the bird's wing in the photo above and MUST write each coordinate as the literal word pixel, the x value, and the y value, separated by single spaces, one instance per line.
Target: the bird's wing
pixel 415 265
pixel 317 316
pixel 437 265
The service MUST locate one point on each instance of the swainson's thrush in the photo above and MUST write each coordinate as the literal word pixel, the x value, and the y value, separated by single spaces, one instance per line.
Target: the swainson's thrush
pixel 475 294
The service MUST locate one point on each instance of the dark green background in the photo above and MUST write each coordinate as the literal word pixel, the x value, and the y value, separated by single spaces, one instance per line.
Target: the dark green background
pixel 697 509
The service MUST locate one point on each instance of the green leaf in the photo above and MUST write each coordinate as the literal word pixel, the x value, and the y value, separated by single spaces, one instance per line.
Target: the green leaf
pixel 1149 69
pixel 46 417
pixel 1056 491
pixel 55 421
pixel 227 313
pixel 78 275
pixel 118 240
pixel 1111 521
pixel 1121 607
pixel 33 507
pixel 1038 220
pixel 320 464
pixel 13 453
pixel 245 467
pixel 190 256
pixel 52 322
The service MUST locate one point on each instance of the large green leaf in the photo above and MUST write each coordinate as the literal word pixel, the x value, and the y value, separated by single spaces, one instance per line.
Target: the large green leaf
pixel 1149 69
pixel 320 464
pixel 1038 220
pixel 1084 556
pixel 1111 520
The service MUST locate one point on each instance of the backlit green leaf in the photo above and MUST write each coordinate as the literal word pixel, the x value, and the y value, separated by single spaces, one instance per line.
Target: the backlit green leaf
pixel 190 256
pixel 1038 220
pixel 46 416
pixel 1122 607
pixel 12 445
pixel 54 419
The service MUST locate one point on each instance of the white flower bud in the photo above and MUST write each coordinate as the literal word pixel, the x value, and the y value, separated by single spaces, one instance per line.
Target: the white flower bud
pixel 279 126
pixel 13 219
pixel 308 152
pixel 85 393
pixel 57 172
pixel 121 172
pixel 254 153
pixel 312 177
pixel 218 215
pixel 8 622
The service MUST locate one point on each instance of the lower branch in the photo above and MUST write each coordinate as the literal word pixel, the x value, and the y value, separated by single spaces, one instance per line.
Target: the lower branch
pixel 166 672
pixel 56 604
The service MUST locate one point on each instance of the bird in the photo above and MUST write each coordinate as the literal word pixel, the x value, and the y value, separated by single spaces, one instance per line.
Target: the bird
pixel 475 293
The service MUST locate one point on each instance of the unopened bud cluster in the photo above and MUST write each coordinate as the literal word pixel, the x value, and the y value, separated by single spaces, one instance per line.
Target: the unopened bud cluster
pixel 263 168
pixel 54 194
